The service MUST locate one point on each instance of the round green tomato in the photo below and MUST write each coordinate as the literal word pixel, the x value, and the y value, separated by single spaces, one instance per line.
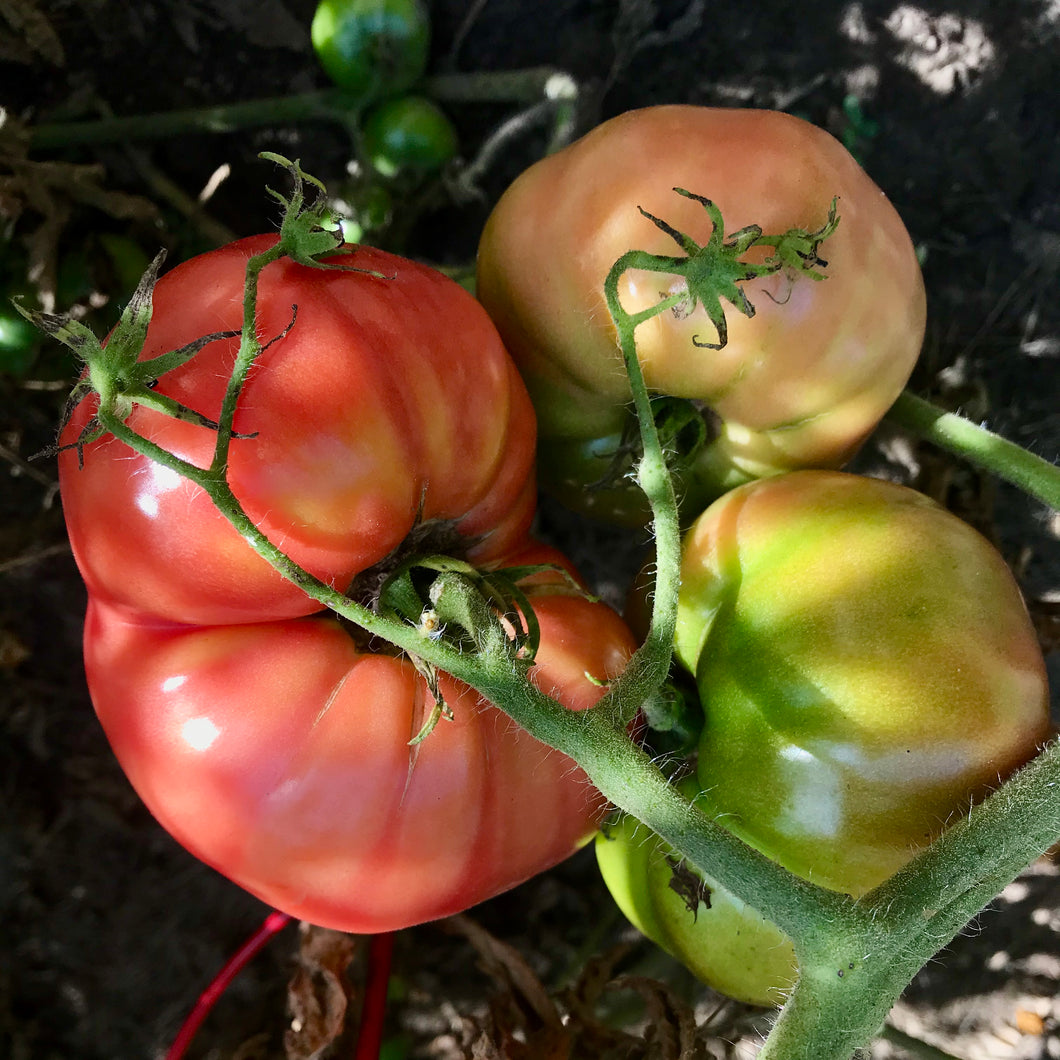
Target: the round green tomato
pixel 408 134
pixel 867 668
pixel 720 939
pixel 372 48
pixel 801 383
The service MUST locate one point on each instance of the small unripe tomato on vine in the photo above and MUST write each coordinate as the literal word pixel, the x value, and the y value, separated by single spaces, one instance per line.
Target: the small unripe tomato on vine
pixel 719 938
pixel 408 135
pixel 19 341
pixel 372 48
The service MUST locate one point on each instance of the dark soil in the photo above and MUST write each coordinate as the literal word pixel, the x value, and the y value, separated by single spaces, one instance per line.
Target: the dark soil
pixel 110 930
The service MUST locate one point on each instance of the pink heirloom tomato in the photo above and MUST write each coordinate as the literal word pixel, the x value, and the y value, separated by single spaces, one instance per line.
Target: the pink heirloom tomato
pixel 361 433
pixel 264 735
pixel 278 752
pixel 801 383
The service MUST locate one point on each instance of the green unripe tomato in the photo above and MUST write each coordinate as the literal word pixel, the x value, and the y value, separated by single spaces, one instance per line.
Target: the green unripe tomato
pixel 372 48
pixel 867 668
pixel 410 134
pixel 720 939
pixel 372 209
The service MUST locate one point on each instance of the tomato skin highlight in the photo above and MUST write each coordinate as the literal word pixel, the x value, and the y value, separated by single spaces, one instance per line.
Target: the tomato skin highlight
pixel 867 670
pixel 251 722
pixel 350 448
pixel 800 384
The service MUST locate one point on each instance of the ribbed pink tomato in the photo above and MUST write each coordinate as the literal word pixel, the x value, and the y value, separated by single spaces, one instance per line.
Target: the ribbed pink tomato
pixel 383 417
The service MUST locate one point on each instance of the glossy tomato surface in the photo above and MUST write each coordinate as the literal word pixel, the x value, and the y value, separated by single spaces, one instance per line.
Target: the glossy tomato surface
pixel 357 429
pixel 799 384
pixel 266 736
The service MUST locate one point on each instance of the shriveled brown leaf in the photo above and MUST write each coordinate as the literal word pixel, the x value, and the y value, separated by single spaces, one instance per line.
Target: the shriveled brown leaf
pixel 319 993
pixel 671 1031
pixel 594 1037
pixel 507 966
pixel 523 1022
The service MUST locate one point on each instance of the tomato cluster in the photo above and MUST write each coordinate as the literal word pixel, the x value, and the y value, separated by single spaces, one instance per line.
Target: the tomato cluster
pixel 377 51
pixel 864 661
pixel 865 664
pixel 270 741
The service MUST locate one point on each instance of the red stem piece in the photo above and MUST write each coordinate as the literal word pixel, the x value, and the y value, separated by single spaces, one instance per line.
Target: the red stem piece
pixel 272 924
pixel 373 1012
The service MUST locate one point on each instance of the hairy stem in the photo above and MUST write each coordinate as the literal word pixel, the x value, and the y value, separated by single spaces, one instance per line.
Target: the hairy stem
pixel 957 435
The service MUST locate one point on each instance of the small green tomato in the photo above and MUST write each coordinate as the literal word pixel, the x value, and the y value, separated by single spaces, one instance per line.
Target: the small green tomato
pixel 408 135
pixel 720 939
pixel 372 48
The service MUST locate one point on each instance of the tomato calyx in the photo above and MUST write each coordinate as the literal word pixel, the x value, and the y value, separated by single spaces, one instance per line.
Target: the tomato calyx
pixel 715 270
pixel 485 612
pixel 428 537
pixel 114 372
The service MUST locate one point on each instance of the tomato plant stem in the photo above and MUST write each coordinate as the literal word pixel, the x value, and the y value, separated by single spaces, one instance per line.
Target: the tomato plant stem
pixel 651 663
pixel 329 105
pixel 990 451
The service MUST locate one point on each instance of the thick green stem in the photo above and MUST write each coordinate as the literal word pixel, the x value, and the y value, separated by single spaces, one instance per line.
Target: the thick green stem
pixel 326 106
pixel 329 105
pixel 650 665
pixel 990 451
pixel 899 926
